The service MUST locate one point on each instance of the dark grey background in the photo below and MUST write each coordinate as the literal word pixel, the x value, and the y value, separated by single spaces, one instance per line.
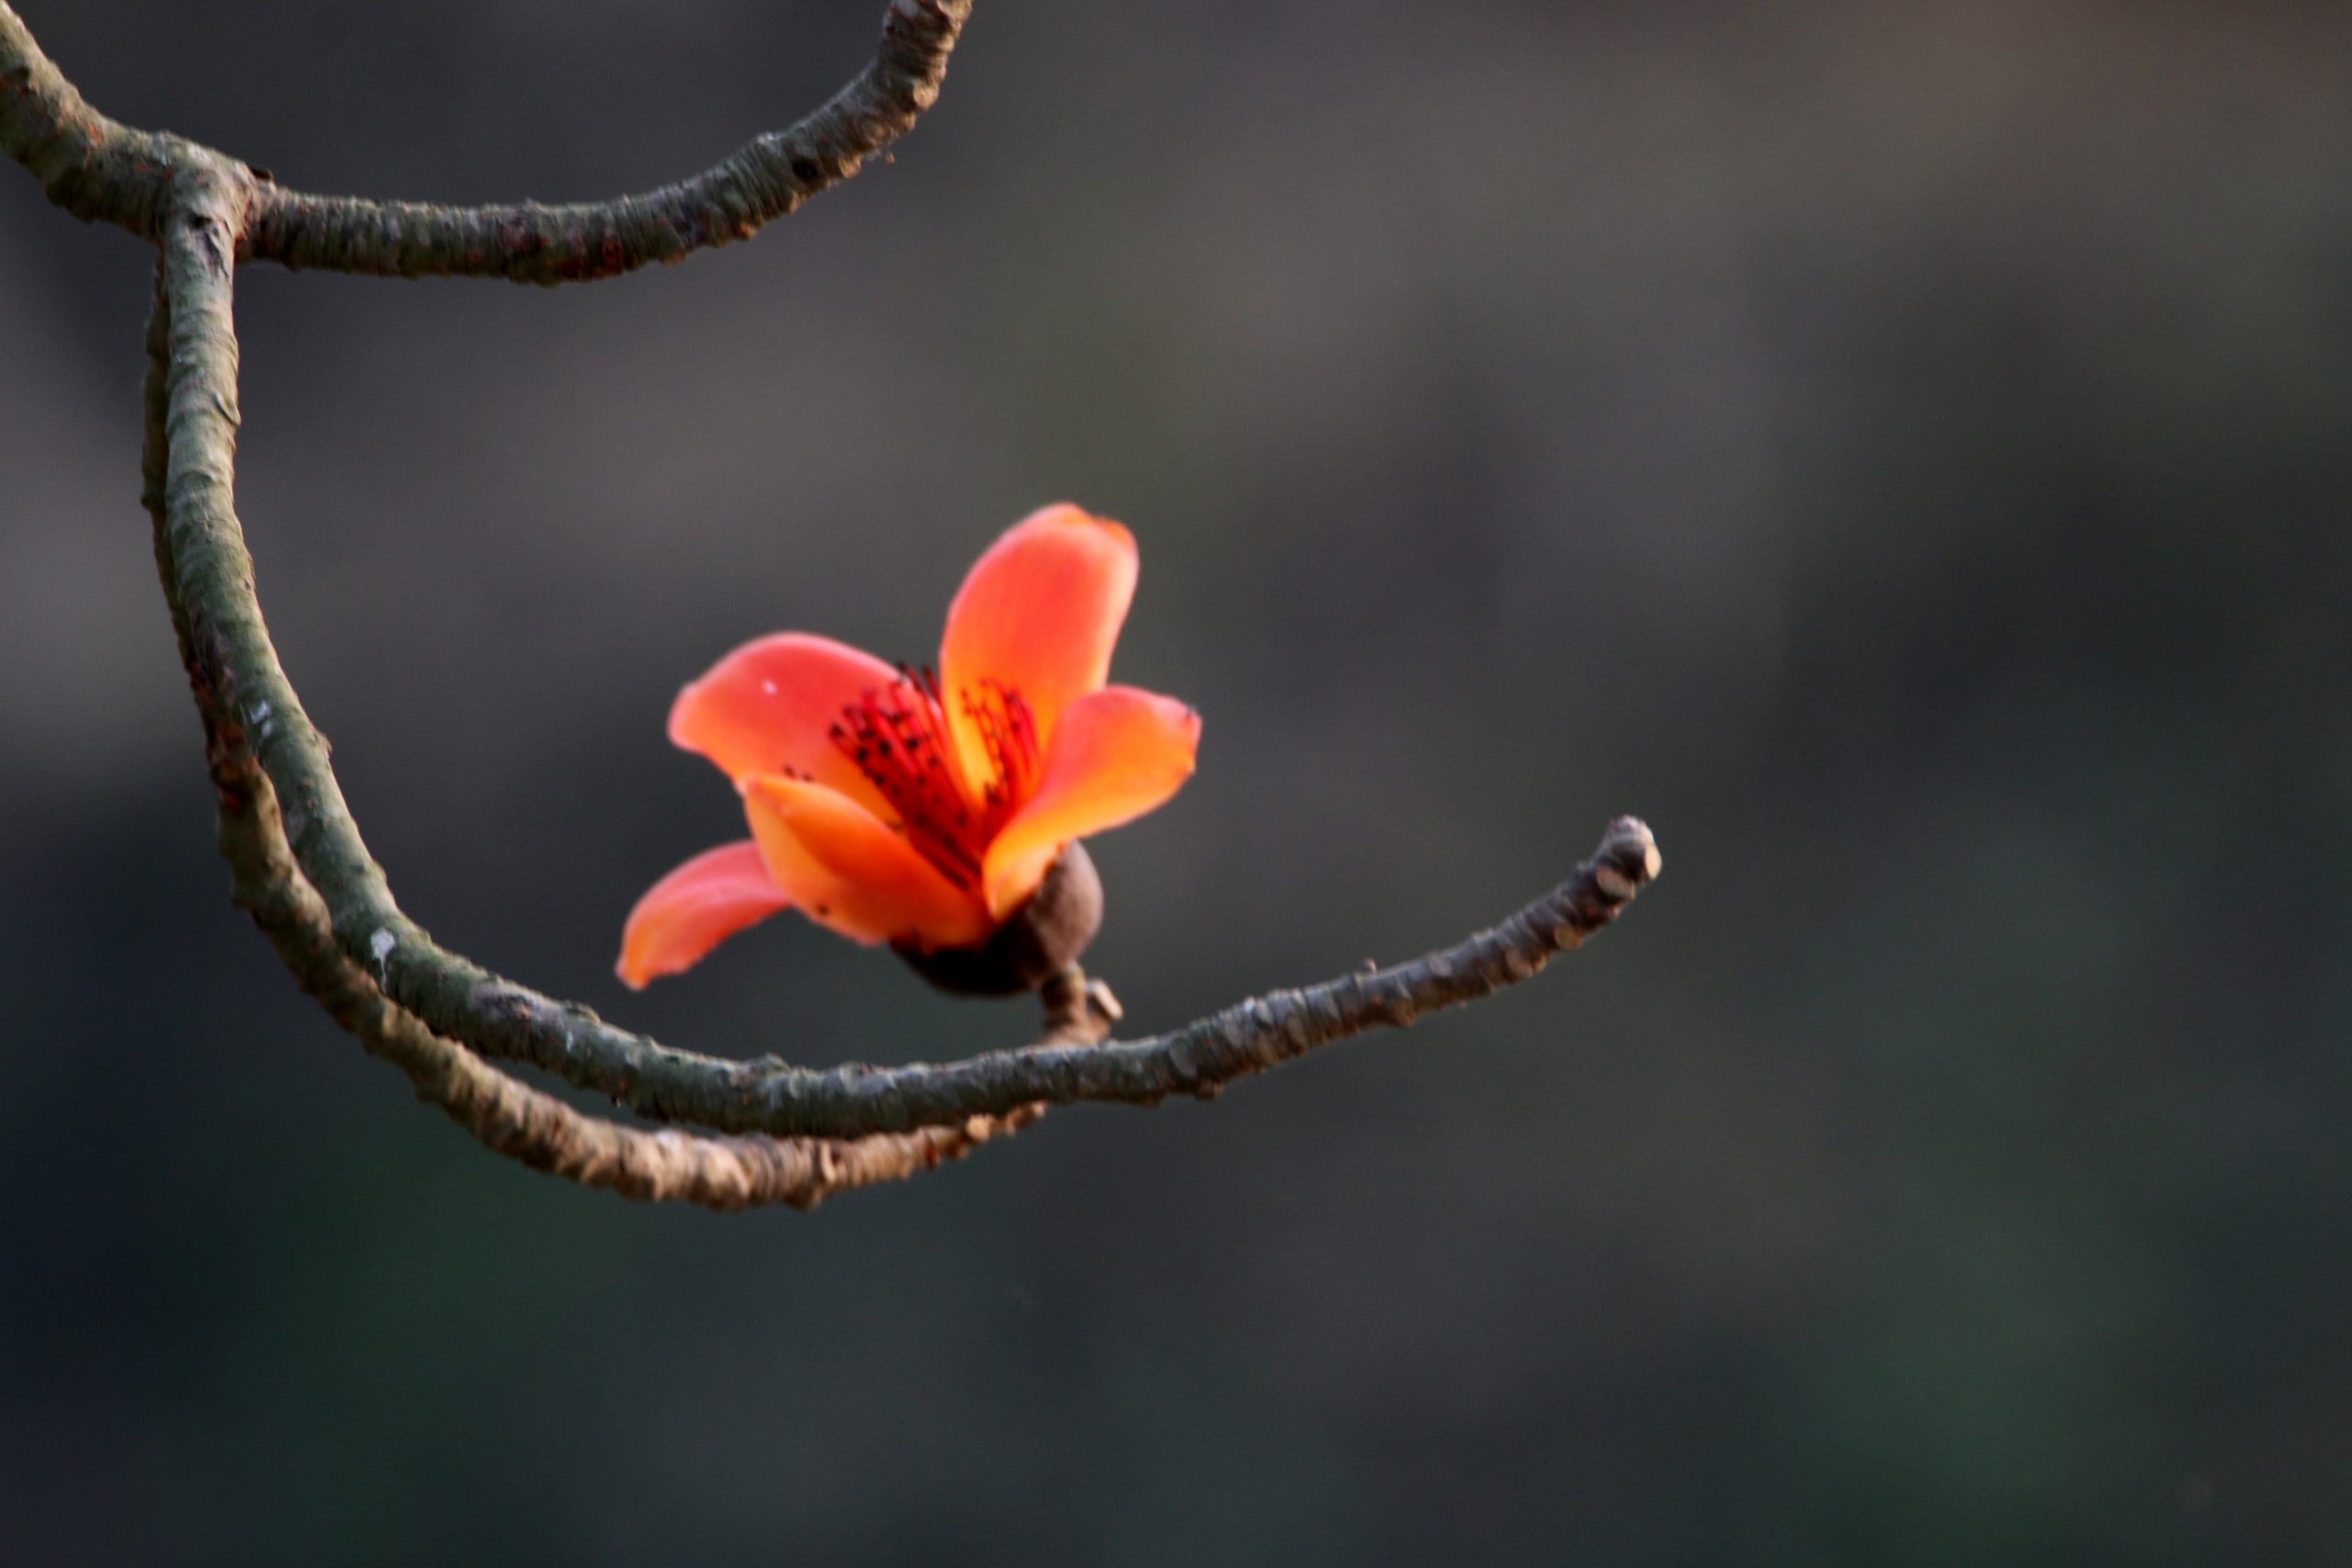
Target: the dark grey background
pixel 1904 452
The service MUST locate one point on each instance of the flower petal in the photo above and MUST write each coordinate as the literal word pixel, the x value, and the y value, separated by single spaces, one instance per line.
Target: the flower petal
pixel 768 708
pixel 848 872
pixel 694 908
pixel 1038 613
pixel 1117 754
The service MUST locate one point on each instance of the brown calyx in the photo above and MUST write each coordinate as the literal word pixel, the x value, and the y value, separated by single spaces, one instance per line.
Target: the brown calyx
pixel 1041 937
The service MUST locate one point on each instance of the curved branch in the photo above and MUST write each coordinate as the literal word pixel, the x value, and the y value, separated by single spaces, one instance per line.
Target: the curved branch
pixel 231 648
pixel 526 242
pixel 508 1116
pixel 524 1123
pixel 527 1125
pixel 96 168
pixel 503 1020
pixel 451 995
pixel 348 940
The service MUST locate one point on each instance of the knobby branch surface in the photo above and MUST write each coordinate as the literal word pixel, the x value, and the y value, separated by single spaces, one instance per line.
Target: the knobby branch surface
pixel 785 1134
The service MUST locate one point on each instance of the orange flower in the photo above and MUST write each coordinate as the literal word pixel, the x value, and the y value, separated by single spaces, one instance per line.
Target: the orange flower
pixel 921 808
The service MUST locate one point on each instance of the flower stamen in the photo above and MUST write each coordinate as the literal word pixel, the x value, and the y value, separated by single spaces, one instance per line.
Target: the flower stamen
pixel 897 737
pixel 1009 735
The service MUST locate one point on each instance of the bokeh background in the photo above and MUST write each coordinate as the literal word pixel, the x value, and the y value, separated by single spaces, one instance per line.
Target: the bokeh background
pixel 1904 453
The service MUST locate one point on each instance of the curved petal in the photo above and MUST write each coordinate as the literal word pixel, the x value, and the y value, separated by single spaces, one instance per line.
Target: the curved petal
pixel 1038 613
pixel 1118 754
pixel 768 708
pixel 847 871
pixel 694 908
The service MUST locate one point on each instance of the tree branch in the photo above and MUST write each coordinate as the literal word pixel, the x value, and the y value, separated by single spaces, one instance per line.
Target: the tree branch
pixel 305 872
pixel 762 181
pixel 97 168
pixel 503 1020
pixel 94 167
pixel 508 1116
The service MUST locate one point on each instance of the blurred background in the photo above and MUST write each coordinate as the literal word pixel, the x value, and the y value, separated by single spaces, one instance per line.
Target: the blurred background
pixel 1904 453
